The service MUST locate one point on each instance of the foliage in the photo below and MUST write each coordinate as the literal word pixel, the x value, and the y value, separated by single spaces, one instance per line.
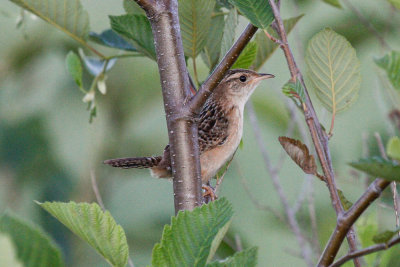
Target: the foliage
pixel 137 30
pixel 111 39
pixel 195 20
pixel 94 226
pixel 378 167
pixel 393 148
pixel 334 70
pixel 68 16
pixel 391 64
pixel 33 247
pixel 299 154
pixel 258 12
pixel 209 29
pixel 334 3
pixel 193 236
pixel 266 47
pixel 247 57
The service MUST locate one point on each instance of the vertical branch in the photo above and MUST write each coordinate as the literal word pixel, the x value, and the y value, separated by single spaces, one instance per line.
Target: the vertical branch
pixel 319 137
pixel 182 129
pixel 181 109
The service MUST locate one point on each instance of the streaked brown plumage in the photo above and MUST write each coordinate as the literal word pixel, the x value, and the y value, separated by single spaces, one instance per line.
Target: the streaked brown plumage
pixel 220 127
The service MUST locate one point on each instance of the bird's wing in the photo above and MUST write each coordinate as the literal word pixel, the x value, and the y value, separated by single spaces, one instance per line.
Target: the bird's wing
pixel 213 126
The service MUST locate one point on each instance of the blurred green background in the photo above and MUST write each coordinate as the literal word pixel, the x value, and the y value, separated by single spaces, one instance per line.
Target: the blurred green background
pixel 48 148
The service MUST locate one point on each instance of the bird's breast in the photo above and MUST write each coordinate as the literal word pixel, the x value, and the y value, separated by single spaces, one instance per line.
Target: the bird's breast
pixel 214 159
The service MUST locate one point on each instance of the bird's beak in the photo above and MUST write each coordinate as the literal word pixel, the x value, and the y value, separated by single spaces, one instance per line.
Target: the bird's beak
pixel 263 76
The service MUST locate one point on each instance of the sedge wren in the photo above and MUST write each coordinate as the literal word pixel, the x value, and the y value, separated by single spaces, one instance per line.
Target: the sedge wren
pixel 220 127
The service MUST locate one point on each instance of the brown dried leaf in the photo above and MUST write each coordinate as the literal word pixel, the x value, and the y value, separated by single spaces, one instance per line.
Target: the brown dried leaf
pixel 299 154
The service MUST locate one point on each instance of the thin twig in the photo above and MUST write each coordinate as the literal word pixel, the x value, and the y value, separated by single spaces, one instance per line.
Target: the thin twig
pixel 272 38
pixel 366 251
pixel 305 250
pixel 220 179
pixel 302 194
pixel 100 201
pixel 392 184
pixel 319 137
pixel 96 190
pixel 256 202
pixel 238 242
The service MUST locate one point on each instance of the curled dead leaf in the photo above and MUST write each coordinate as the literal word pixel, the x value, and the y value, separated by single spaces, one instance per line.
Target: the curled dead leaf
pixel 299 154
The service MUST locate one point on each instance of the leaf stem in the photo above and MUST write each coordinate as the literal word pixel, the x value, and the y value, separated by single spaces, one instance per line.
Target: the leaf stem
pixel 196 77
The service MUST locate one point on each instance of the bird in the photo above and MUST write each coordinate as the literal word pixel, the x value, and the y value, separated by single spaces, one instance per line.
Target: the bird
pixel 220 127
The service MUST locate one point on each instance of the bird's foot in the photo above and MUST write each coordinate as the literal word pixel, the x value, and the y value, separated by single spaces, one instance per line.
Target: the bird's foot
pixel 208 193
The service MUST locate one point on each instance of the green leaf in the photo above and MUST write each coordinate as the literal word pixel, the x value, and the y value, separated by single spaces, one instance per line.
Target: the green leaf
pixel 195 21
pixel 74 67
pixel 378 167
pixel 34 247
pixel 95 65
pixel 367 227
pixel 247 56
pixel 228 36
pixel 395 3
pixel 391 64
pixel 294 90
pixel 345 202
pixel 137 29
pixel 258 12
pixel 8 255
pixel 94 226
pixel 224 3
pixel 266 47
pixel 334 3
pixel 393 148
pixel 68 16
pixel 111 39
pixel 384 237
pixel 188 241
pixel 334 70
pixel 246 258
pixel 131 7
pixel 211 51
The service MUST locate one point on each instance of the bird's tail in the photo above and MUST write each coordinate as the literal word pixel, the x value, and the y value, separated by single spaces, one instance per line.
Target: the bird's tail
pixel 139 163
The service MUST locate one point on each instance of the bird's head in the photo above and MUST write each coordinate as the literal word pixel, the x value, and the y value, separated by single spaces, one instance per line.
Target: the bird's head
pixel 239 84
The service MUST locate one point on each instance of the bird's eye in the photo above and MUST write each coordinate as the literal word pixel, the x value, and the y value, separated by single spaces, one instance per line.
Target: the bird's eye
pixel 242 78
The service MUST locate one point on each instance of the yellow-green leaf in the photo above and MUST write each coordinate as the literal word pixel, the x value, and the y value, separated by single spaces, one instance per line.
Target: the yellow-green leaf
pixel 94 226
pixel 195 20
pixel 395 3
pixel 247 56
pixel 266 47
pixel 74 67
pixel 68 16
pixel 391 64
pixel 33 247
pixel 345 202
pixel 212 48
pixel 333 70
pixel 228 37
pixel 393 148
pixel 334 3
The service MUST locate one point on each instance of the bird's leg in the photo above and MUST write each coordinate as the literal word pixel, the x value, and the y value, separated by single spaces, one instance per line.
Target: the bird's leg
pixel 208 193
